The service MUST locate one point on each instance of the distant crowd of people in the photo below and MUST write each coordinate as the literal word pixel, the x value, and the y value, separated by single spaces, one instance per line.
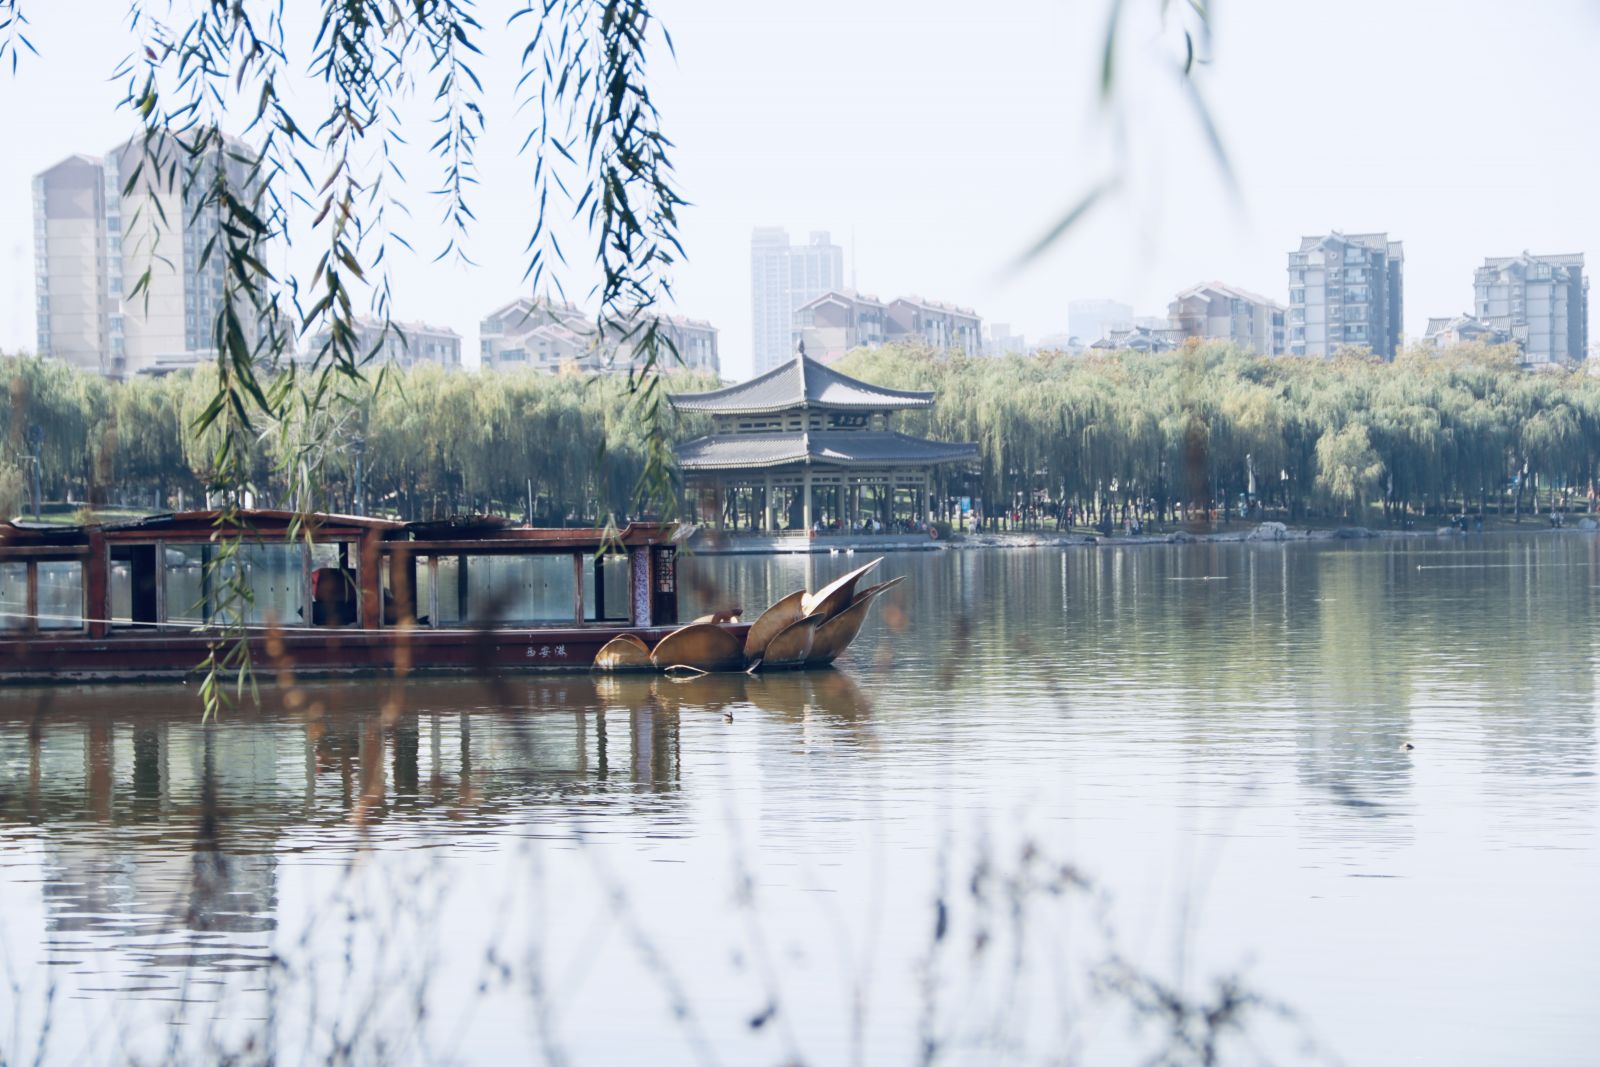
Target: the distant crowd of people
pixel 872 525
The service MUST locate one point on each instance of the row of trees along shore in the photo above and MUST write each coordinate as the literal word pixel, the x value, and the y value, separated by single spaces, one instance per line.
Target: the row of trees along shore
pixel 424 442
pixel 1111 437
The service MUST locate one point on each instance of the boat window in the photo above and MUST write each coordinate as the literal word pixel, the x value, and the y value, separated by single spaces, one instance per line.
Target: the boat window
pixel 61 595
pixel 186 585
pixel 133 585
pixel 409 598
pixel 274 574
pixel 121 581
pixel 56 602
pixel 447 591
pixel 336 597
pixel 521 589
pixel 605 588
pixel 14 596
pixel 531 590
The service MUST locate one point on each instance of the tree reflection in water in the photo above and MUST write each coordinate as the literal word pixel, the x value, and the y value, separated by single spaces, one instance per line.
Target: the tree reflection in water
pixel 1156 705
pixel 157 825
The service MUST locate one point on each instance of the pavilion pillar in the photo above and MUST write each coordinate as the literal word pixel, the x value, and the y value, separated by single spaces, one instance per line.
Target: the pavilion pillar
pixel 805 506
pixel 717 504
pixel 770 519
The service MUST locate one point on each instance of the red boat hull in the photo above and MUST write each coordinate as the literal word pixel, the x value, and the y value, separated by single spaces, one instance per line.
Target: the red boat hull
pixel 171 656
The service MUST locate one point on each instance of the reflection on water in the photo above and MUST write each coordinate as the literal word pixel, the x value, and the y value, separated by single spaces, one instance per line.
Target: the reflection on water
pixel 1216 733
pixel 153 826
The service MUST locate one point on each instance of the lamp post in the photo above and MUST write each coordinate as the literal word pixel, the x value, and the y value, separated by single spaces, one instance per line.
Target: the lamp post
pixel 359 503
pixel 35 447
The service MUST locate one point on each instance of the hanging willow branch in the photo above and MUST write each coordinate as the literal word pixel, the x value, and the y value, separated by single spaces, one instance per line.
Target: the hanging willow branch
pixel 599 157
pixel 13 38
pixel 597 131
pixel 586 68
pixel 180 87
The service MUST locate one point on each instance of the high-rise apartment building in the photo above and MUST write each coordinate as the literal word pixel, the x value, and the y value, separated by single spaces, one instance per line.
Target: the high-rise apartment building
pixel 942 327
pixel 407 344
pixel 783 279
pixel 1346 289
pixel 1540 302
pixel 556 336
pixel 70 267
pixel 836 322
pixel 101 224
pixel 1213 311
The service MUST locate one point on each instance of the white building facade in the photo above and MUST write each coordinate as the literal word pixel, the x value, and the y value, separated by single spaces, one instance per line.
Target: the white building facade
pixel 1212 311
pixel 555 336
pixel 1346 290
pixel 838 321
pixel 783 279
pixel 101 225
pixel 1540 302
pixel 407 344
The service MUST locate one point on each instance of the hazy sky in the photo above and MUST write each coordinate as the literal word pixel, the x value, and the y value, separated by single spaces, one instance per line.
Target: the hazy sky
pixel 936 139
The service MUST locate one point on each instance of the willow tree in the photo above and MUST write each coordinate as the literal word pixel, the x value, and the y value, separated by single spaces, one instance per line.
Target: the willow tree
pixel 596 151
pixel 591 129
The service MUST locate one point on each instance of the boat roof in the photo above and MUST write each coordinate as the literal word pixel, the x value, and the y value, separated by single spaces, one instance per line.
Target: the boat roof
pixel 254 518
pixel 201 525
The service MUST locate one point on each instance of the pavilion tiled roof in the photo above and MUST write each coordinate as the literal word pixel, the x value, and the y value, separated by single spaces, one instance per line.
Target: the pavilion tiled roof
pixel 800 382
pixel 841 447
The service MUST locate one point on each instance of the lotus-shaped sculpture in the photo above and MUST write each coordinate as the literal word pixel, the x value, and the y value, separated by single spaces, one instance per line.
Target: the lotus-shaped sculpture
pixel 803 629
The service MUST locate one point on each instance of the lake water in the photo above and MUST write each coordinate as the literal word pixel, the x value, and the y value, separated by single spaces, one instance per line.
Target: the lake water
pixel 1045 787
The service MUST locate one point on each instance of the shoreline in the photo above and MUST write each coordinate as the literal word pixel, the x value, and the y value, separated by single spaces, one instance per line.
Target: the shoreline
pixel 1260 533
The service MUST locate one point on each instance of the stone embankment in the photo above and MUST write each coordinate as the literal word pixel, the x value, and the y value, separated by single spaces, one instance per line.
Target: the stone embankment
pixel 1266 531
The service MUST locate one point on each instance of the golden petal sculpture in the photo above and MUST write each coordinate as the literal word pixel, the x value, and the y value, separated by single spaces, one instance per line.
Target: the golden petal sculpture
pixel 782 615
pixel 624 652
pixel 835 635
pixel 791 647
pixel 875 590
pixel 834 597
pixel 702 645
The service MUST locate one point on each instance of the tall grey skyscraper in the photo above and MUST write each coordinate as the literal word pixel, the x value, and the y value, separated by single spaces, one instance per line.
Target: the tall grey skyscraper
pixel 1346 289
pixel 71 272
pixel 783 279
pixel 99 225
pixel 1541 302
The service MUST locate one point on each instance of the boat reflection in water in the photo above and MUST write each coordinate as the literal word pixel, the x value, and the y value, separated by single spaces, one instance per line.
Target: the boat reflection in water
pixel 160 839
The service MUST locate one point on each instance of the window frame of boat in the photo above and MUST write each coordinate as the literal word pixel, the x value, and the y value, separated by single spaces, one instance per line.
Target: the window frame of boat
pixel 601 619
pixel 348 546
pixel 427 554
pixel 30 556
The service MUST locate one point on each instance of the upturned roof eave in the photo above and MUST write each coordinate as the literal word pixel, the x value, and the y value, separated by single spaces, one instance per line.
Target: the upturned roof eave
pixel 686 402
pixel 804 451
pixel 798 393
pixel 834 461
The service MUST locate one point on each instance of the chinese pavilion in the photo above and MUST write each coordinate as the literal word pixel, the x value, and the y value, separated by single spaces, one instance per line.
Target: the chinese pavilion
pixel 804 447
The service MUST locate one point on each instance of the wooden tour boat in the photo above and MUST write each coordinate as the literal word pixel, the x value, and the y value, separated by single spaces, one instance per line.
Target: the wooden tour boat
pixel 145 600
